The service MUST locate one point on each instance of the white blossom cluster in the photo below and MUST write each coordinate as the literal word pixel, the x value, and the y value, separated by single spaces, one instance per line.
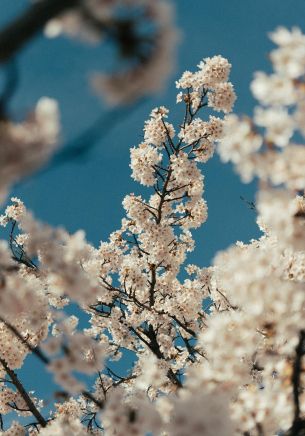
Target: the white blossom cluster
pixel 254 337
pixel 212 80
pixel 27 145
pixel 268 146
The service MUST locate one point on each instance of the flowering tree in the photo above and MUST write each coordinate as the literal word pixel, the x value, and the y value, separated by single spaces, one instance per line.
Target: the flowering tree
pixel 234 367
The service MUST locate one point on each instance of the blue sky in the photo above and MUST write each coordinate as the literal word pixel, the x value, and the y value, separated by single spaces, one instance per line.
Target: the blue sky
pixel 88 193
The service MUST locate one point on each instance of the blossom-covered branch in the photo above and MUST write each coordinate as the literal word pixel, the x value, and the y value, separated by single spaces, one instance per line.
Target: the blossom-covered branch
pixel 129 286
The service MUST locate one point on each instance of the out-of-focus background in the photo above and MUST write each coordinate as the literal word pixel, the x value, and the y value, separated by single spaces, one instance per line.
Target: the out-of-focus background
pixel 87 192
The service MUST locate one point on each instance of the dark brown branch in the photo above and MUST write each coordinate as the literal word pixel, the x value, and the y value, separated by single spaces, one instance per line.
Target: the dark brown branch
pixel 182 325
pixel 297 373
pixel 163 195
pixel 19 255
pixel 298 423
pixel 27 399
pixel 10 87
pixel 155 348
pixel 90 397
pixel 152 285
pixel 21 30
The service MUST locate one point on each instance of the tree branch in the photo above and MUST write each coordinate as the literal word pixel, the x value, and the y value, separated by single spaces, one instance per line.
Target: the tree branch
pixel 31 406
pixel 298 423
pixel 21 30
pixel 10 87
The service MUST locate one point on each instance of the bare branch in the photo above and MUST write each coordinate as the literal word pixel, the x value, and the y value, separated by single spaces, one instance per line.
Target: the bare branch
pixel 29 402
pixel 20 31
pixel 298 424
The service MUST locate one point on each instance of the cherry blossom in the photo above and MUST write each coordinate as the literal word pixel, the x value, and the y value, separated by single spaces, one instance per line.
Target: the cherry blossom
pixel 216 350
